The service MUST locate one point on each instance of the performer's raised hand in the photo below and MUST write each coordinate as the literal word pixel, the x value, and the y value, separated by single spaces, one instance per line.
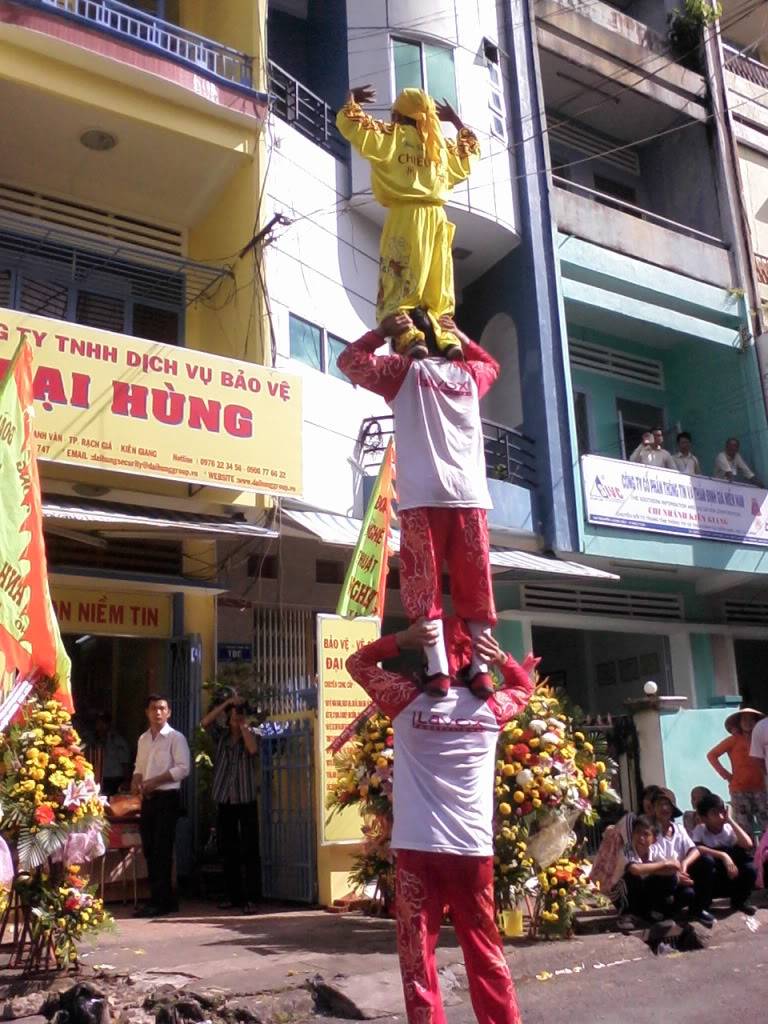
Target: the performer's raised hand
pixel 446 113
pixel 420 634
pixel 487 649
pixel 394 324
pixel 447 322
pixel 363 94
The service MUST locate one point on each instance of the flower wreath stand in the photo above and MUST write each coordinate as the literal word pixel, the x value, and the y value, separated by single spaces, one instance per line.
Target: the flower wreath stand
pixel 32 945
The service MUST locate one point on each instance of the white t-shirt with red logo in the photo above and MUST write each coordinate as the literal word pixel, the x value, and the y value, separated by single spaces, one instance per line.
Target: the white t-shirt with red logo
pixel 445 753
pixel 438 430
pixel 439 437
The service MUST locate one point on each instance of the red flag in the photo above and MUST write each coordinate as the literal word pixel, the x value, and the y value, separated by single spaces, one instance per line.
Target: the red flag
pixel 29 633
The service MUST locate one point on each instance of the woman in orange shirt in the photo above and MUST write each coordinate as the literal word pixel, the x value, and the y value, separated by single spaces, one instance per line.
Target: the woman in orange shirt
pixel 746 779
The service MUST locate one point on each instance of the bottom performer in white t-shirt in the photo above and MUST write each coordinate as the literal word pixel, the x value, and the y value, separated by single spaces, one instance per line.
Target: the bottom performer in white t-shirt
pixel 445 755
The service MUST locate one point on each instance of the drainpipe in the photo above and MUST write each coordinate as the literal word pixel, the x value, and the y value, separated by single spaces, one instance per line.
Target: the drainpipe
pixel 732 193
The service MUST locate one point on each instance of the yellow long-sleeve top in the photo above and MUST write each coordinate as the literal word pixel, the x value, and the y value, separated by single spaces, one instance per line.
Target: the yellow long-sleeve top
pixel 400 170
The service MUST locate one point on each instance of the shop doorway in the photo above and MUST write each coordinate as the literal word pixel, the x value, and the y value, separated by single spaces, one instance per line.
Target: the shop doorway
pixel 751 659
pixel 600 669
pixel 113 675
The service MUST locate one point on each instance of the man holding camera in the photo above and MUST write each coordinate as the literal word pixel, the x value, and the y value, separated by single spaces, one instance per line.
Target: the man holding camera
pixel 235 791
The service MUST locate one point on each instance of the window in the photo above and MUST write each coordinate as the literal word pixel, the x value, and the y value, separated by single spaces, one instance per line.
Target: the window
pixel 263 567
pixel 306 342
pixel 73 284
pixel 315 346
pixel 335 347
pixel 495 90
pixel 327 571
pixel 423 66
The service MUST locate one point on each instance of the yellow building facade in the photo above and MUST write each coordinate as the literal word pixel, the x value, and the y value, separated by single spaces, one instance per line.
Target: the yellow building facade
pixel 131 173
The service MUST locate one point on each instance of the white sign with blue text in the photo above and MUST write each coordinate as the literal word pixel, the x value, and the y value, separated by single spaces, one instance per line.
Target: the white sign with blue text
pixel 631 496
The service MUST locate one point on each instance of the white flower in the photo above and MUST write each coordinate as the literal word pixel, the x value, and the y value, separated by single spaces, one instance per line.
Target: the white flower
pixel 537 725
pixel 552 737
pixel 524 778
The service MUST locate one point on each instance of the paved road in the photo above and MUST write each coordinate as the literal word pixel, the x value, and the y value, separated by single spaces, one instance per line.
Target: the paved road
pixel 601 979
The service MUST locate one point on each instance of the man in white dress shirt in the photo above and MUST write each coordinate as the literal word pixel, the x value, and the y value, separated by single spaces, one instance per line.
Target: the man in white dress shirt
pixel 162 763
pixel 729 464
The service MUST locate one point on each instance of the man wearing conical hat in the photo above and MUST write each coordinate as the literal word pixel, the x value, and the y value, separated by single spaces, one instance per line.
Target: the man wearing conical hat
pixel 413 169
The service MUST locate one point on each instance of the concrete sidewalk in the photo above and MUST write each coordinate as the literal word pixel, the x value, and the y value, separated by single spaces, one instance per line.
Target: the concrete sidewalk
pixel 277 951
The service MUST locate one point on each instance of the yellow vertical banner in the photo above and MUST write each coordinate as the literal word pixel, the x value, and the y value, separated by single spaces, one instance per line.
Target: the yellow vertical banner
pixel 340 700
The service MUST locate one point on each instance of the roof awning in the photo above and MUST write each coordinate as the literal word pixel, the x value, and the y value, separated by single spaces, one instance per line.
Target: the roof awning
pixel 343 531
pixel 126 520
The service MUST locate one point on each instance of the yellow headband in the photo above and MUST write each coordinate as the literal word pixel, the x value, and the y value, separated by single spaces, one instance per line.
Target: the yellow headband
pixel 419 107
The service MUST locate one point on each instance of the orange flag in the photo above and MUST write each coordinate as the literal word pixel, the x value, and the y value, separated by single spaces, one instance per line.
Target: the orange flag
pixel 30 642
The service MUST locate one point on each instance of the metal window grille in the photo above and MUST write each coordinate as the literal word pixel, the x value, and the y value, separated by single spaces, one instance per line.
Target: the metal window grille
pixel 284 657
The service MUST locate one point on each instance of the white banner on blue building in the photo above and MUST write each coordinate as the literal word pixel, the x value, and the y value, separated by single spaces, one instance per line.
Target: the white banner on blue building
pixel 636 497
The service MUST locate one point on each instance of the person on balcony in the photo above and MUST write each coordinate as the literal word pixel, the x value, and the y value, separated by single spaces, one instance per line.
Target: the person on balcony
pixel 442 808
pixel 729 465
pixel 684 458
pixel 441 479
pixel 413 169
pixel 650 451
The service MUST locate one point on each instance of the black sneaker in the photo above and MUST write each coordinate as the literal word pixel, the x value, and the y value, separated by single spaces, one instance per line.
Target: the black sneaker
pixel 745 908
pixel 704 917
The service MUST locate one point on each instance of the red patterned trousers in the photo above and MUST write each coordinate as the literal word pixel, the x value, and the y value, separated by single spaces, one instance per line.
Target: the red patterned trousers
pixel 425 884
pixel 458 536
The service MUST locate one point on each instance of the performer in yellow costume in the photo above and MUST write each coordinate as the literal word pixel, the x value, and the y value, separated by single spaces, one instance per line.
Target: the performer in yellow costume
pixel 413 168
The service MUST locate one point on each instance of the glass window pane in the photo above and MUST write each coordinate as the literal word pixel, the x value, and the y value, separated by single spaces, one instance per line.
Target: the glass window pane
pixel 306 342
pixel 407 65
pixel 43 297
pixel 441 77
pixel 155 324
pixel 335 347
pixel 102 311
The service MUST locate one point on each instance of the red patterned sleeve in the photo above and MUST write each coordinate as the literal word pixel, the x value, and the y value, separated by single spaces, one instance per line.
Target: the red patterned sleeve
pixel 482 366
pixel 515 692
pixel 389 691
pixel 381 374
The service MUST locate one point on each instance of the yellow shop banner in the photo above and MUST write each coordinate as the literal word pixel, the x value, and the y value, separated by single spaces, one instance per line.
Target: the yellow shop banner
pixel 340 700
pixel 114 402
pixel 106 613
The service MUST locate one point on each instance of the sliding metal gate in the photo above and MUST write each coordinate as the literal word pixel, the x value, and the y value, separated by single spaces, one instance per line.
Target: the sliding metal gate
pixel 287 820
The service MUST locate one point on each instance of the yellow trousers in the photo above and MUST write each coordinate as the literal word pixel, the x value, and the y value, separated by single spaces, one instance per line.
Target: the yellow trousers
pixel 416 265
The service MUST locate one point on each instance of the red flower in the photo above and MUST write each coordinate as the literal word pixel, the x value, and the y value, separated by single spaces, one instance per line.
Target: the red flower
pixel 590 771
pixel 76 882
pixel 71 903
pixel 520 751
pixel 44 814
pixel 390 741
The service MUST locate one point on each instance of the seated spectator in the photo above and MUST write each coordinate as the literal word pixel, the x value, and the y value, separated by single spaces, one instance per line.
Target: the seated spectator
pixel 674 845
pixel 726 856
pixel 684 458
pixel 609 863
pixel 729 464
pixel 746 782
pixel 650 451
pixel 691 818
pixel 656 887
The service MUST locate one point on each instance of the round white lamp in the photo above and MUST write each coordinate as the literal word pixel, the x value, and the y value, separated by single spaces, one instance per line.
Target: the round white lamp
pixel 650 689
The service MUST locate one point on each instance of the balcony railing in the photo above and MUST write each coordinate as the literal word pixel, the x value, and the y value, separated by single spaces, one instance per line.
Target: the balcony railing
pixel 746 67
pixel 637 211
pixel 509 454
pixel 308 113
pixel 211 59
